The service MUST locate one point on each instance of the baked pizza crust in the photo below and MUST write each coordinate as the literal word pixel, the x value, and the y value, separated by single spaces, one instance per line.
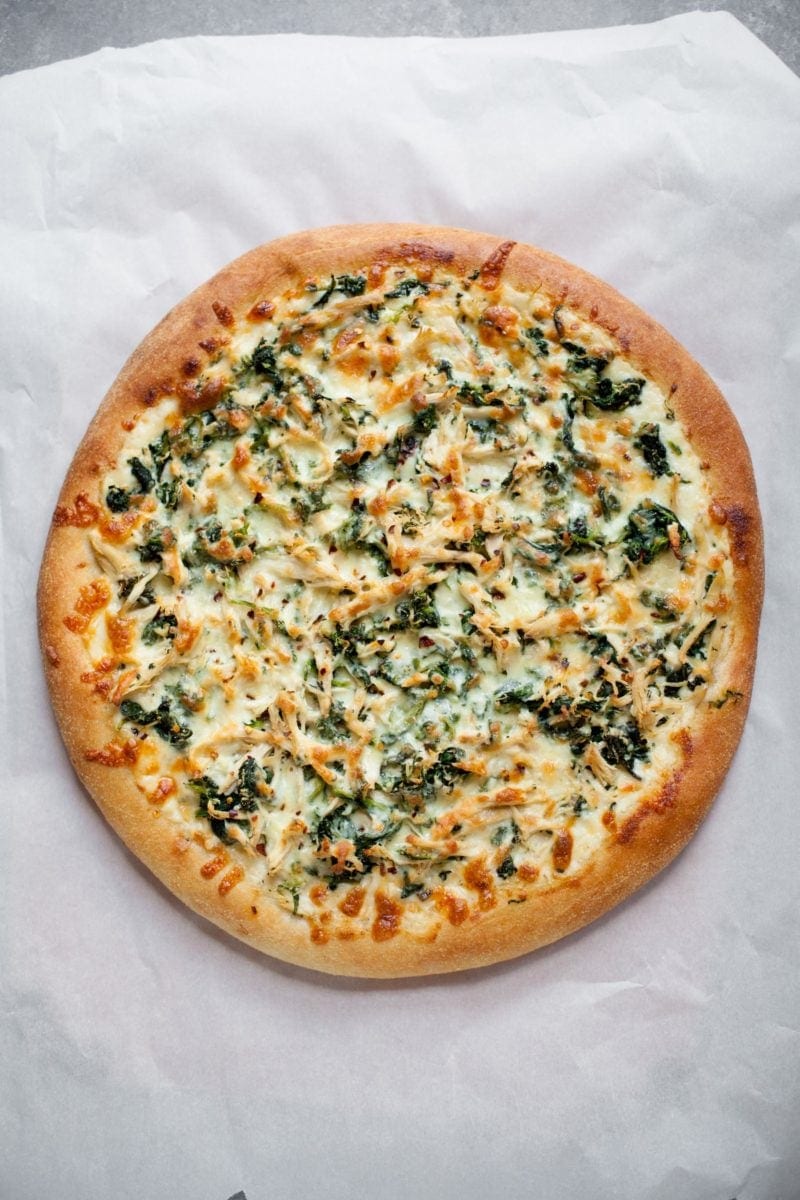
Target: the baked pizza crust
pixel 644 842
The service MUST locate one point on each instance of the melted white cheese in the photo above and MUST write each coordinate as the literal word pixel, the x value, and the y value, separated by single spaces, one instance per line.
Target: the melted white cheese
pixel 391 613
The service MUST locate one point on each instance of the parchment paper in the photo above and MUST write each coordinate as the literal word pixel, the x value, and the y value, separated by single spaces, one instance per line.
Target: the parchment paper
pixel 655 1055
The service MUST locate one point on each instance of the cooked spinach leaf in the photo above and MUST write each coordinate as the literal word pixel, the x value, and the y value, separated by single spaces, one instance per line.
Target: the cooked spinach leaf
pixel 654 452
pixel 647 531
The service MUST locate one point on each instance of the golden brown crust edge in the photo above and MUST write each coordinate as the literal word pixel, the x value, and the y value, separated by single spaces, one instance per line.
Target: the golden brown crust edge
pixel 646 842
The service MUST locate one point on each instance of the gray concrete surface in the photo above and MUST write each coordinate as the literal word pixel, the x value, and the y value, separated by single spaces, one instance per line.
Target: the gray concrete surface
pixel 35 32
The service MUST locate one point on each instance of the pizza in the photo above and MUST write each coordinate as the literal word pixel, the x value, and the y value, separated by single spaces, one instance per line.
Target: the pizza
pixel 400 605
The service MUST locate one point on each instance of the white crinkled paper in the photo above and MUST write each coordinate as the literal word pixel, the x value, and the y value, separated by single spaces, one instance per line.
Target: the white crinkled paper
pixel 656 1054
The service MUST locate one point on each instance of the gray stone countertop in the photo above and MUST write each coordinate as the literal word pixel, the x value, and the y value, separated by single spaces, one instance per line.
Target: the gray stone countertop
pixel 35 32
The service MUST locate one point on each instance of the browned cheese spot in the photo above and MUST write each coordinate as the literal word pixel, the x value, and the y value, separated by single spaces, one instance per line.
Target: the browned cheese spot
pixel 198 398
pixel 223 314
pixel 91 599
pixel 261 311
pixel 120 633
pixel 230 880
pixel 387 918
pixel 478 878
pixel 497 325
pixel 352 903
pixel 165 787
pixel 82 514
pixel 739 525
pixel 494 266
pixel 562 850
pixel 118 528
pixel 454 907
pixel 114 754
pixel 214 865
pixel 155 392
pixel 241 455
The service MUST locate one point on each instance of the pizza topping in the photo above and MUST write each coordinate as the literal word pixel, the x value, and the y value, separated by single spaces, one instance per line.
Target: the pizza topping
pixel 115 754
pixel 405 594
pixel 82 514
pixel 92 598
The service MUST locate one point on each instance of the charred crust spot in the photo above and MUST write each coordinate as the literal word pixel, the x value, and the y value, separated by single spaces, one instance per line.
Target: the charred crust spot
pixel 209 344
pixel 254 910
pixel 421 252
pixel 494 266
pixel 191 367
pixel 101 684
pixel 387 918
pixel 155 392
pixel 223 314
pixel 739 525
pixel 498 317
